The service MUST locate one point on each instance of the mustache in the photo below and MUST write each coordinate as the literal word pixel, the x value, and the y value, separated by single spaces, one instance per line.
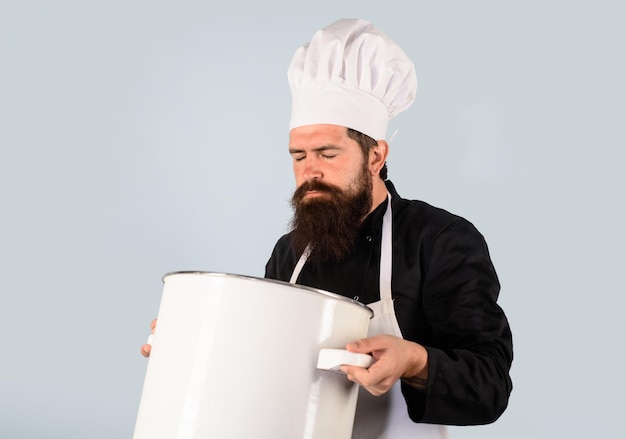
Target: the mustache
pixel 315 185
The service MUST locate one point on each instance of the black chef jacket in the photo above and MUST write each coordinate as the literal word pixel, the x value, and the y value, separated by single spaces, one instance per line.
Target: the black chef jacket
pixel 445 289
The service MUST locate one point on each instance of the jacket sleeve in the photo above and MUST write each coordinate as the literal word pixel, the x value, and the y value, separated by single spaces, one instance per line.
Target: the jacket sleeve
pixel 469 341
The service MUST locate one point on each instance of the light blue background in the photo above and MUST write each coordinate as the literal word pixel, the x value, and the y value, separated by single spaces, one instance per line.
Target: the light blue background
pixel 142 137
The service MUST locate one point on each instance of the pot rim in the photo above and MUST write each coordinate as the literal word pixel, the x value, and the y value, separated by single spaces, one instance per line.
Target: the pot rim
pixel 279 282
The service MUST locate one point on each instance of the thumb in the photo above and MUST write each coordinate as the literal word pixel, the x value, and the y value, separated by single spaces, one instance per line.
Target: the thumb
pixel 362 346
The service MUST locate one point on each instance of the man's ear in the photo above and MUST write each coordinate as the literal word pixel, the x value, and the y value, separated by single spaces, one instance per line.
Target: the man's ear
pixel 378 157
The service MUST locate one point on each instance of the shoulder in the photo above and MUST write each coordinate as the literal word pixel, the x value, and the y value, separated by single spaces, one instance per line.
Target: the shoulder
pixel 283 245
pixel 423 224
pixel 430 218
pixel 282 260
pixel 283 250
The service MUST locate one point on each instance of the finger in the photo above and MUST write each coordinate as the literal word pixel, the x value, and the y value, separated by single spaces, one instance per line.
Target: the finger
pixel 359 346
pixel 372 383
pixel 145 350
pixel 369 345
pixel 147 347
pixel 364 377
pixel 153 325
pixel 380 370
pixel 354 373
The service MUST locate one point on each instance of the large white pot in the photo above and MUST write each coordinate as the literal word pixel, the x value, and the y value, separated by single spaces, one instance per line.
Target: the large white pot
pixel 236 357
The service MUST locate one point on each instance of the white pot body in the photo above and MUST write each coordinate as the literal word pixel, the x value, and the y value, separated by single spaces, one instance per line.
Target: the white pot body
pixel 235 357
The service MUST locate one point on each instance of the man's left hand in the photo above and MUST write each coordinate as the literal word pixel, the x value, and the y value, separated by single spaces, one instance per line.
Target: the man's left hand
pixel 394 358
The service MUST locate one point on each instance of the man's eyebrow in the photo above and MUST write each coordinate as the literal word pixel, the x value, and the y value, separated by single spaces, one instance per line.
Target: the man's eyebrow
pixel 318 149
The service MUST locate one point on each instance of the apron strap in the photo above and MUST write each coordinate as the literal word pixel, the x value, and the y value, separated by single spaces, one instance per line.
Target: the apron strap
pixel 300 264
pixel 385 254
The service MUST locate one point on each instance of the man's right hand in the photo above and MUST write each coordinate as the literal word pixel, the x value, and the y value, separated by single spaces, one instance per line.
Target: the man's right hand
pixel 145 349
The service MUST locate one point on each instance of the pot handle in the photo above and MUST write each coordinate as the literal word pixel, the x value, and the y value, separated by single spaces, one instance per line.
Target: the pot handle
pixel 332 359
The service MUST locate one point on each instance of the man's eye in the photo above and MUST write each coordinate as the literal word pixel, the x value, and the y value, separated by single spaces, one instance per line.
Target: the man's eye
pixel 329 156
pixel 298 158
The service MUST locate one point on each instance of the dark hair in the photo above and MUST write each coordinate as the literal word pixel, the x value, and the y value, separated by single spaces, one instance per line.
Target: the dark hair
pixel 366 142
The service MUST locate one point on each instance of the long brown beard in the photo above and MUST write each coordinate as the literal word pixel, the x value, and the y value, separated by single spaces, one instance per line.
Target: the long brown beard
pixel 330 222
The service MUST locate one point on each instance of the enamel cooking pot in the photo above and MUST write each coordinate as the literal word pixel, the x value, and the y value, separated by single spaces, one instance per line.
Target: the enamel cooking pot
pixel 242 357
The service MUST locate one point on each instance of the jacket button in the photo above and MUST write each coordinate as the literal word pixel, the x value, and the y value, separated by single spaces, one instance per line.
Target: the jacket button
pixel 368 238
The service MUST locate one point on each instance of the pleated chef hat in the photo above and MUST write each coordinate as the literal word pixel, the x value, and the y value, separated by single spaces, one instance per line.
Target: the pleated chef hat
pixel 353 75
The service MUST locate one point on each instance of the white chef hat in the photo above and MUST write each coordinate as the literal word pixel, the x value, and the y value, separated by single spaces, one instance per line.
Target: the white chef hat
pixel 353 75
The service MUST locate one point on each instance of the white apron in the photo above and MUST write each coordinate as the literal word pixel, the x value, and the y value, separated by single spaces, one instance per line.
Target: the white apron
pixel 384 416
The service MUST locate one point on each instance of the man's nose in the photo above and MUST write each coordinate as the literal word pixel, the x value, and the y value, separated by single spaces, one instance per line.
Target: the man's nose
pixel 312 169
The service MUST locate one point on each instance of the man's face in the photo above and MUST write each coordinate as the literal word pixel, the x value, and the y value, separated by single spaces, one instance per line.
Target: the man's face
pixel 325 153
pixel 334 191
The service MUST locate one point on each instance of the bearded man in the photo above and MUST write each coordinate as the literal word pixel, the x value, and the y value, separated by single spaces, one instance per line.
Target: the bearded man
pixel 442 346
